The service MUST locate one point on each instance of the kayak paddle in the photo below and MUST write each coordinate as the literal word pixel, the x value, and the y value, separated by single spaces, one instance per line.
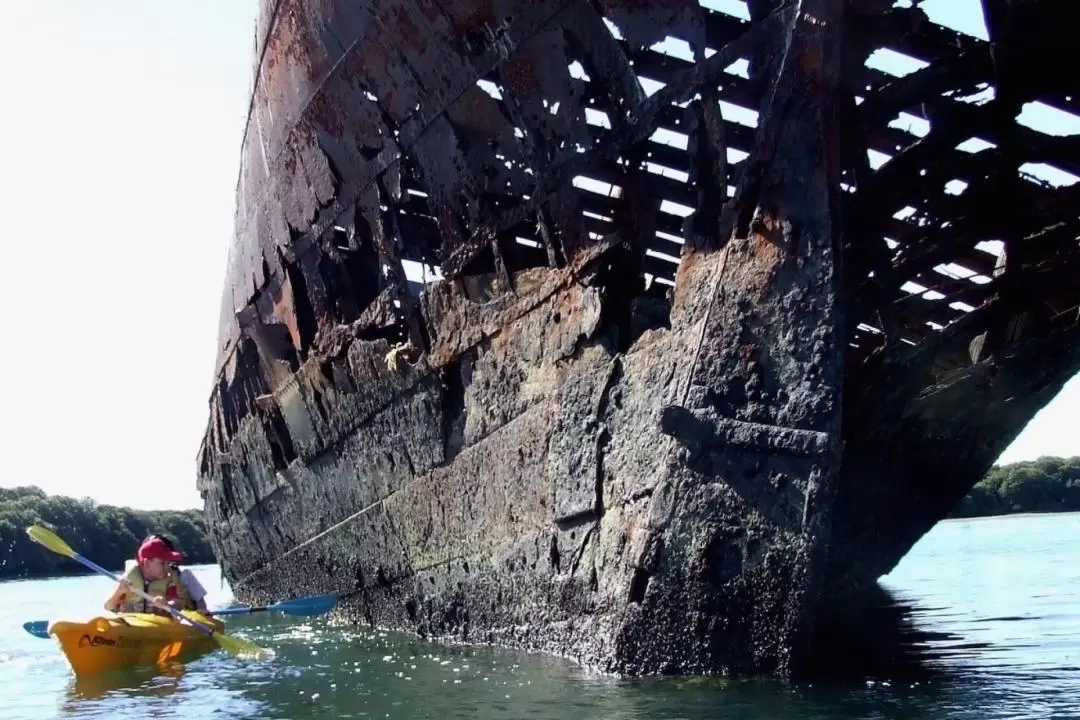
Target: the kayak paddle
pixel 51 541
pixel 301 607
pixel 37 628
pixel 304 607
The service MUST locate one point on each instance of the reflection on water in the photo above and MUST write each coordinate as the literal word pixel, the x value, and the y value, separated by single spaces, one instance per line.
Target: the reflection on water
pixel 151 682
pixel 980 621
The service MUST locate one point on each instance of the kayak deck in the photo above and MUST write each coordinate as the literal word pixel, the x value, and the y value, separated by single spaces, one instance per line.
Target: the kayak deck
pixel 131 640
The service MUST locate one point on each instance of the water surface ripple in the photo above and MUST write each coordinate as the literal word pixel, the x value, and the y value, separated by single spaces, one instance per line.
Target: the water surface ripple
pixel 989 607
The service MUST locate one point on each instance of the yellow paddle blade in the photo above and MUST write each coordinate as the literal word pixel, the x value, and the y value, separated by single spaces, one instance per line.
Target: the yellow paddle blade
pixel 46 537
pixel 241 648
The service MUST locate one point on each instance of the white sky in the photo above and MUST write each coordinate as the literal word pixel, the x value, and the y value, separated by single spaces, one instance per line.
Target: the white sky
pixel 119 148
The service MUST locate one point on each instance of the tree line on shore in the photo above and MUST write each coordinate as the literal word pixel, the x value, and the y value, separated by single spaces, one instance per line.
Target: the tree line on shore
pixel 109 535
pixel 106 534
pixel 1049 484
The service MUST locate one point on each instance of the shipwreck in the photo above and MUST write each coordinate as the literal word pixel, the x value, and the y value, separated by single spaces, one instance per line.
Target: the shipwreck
pixel 636 331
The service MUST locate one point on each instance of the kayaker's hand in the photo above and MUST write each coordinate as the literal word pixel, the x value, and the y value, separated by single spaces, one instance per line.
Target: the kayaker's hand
pixel 159 602
pixel 121 591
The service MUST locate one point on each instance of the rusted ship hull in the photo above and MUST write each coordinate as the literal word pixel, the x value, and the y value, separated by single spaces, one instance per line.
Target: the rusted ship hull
pixel 567 444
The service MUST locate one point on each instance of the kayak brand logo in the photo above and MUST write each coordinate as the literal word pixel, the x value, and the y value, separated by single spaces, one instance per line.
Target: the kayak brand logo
pixel 95 641
pixel 98 641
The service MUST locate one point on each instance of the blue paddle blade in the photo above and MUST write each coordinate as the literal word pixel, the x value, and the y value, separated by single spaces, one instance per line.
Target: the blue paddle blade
pixel 303 607
pixel 306 607
pixel 37 628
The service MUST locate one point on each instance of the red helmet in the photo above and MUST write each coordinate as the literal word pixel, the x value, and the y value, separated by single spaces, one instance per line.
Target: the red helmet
pixel 156 547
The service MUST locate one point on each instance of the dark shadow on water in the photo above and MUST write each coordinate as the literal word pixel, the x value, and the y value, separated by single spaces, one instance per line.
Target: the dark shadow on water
pixel 877 637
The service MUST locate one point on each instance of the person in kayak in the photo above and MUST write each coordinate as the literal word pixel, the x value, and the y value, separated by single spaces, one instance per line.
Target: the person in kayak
pixel 155 572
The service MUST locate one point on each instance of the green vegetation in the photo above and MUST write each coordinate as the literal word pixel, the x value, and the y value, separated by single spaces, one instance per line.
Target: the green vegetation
pixel 1049 484
pixel 106 534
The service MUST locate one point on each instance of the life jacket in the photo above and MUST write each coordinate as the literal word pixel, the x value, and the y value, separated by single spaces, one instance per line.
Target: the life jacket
pixel 169 587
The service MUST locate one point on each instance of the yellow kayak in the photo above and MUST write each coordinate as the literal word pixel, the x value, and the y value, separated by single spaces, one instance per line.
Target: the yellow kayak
pixel 131 640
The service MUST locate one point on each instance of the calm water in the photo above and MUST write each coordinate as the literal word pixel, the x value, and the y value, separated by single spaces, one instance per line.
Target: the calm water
pixel 997 596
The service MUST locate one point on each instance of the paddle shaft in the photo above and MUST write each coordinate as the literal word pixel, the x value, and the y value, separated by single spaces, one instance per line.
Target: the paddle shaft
pixel 303 607
pixel 241 610
pixel 141 593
